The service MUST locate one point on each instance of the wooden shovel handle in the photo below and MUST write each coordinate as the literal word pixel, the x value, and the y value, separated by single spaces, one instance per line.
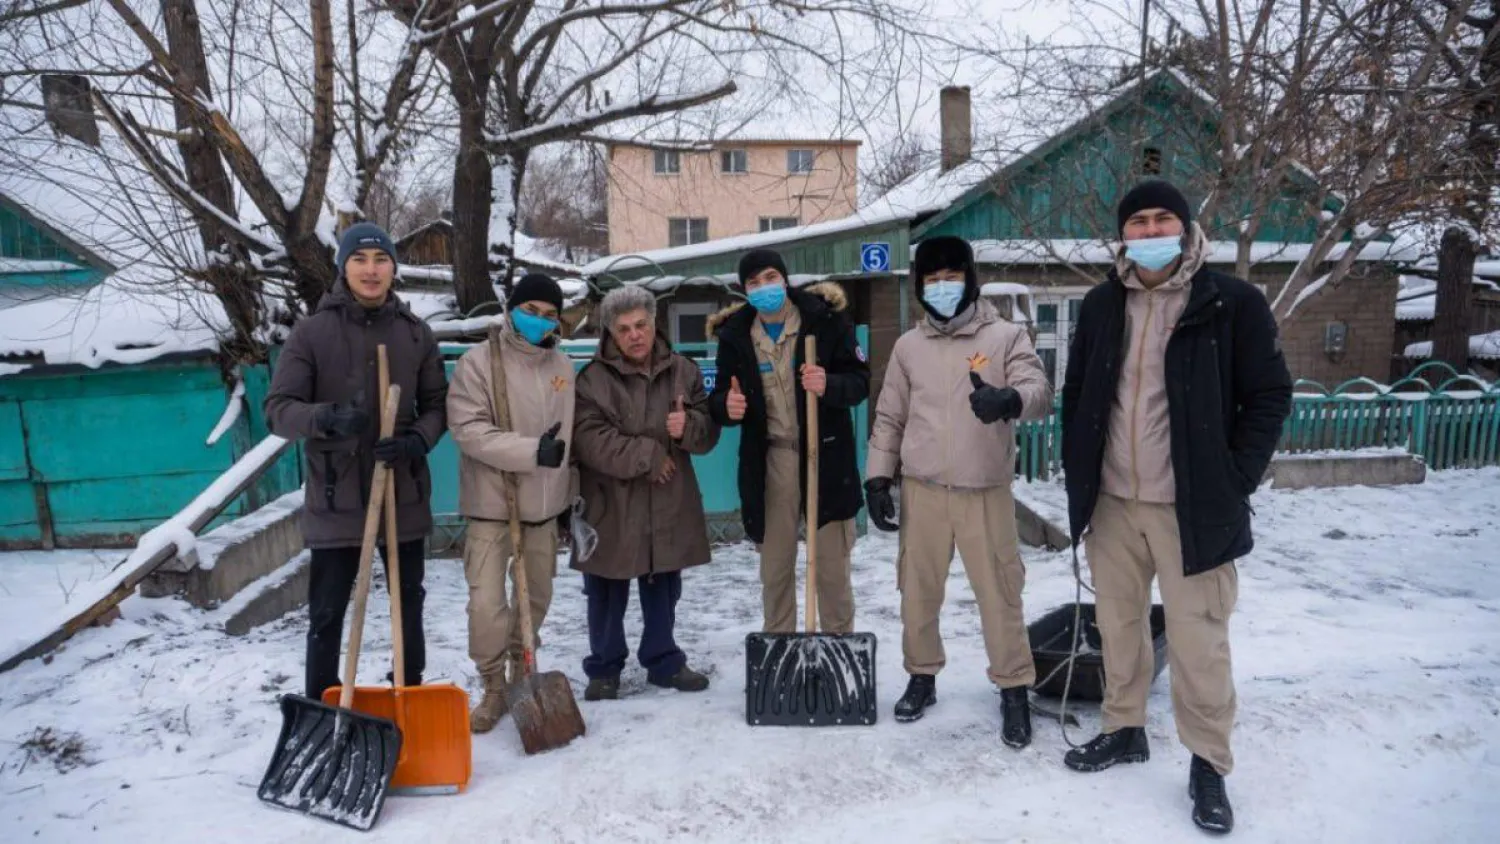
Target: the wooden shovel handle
pixel 500 406
pixel 392 534
pixel 810 356
pixel 378 480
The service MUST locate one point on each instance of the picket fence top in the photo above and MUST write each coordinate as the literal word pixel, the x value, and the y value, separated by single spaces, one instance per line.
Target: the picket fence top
pixel 1416 385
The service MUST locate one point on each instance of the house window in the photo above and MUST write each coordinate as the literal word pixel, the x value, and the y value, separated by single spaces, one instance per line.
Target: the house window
pixel 1151 162
pixel 684 231
pixel 688 321
pixel 772 224
pixel 668 162
pixel 1049 362
pixel 1046 319
pixel 800 160
pixel 734 161
pixel 1074 306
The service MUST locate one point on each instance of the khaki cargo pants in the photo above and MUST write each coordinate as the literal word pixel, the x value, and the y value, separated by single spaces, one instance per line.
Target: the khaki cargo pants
pixel 982 525
pixel 1129 542
pixel 493 631
pixel 778 554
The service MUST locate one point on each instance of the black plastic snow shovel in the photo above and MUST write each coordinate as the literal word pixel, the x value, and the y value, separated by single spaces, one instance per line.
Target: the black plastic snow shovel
pixel 333 762
pixel 810 679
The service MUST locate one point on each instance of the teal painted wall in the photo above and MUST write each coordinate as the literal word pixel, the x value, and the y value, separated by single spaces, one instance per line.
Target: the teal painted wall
pixel 113 452
pixel 1069 187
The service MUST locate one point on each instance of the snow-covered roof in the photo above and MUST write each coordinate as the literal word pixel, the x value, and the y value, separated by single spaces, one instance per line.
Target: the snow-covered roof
pixel 1004 288
pixel 102 201
pixel 1482 346
pixel 1219 252
pixel 112 322
pixel 528 250
pixel 730 139
pixel 1417 301
pixel 32 265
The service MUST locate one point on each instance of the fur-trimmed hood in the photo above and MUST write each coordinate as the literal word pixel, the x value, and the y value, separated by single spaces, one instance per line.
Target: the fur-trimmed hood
pixel 830 292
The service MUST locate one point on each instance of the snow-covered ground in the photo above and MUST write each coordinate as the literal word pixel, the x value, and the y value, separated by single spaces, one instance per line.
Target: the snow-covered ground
pixel 1367 655
pixel 40 588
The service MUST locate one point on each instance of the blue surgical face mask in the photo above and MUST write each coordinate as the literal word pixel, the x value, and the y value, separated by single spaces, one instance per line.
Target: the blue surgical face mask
pixel 534 328
pixel 1154 253
pixel 943 296
pixel 768 299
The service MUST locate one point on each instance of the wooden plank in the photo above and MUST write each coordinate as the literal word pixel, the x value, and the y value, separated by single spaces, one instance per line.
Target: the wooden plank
pixel 157 378
pixel 12 443
pixel 146 498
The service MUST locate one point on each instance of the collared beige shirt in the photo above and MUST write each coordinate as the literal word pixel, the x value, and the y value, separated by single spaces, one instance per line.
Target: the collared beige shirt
pixel 778 375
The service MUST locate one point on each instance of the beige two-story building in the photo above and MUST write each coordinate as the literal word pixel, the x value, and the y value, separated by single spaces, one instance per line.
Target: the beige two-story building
pixel 677 193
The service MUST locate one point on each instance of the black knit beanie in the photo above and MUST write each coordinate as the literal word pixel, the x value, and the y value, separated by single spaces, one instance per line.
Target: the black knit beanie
pixel 1154 193
pixel 535 287
pixel 946 252
pixel 757 261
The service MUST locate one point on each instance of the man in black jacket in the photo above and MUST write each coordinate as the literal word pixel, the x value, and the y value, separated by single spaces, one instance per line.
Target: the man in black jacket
pixel 761 386
pixel 1173 402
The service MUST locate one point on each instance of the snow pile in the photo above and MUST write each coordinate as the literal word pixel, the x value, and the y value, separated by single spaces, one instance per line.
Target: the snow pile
pixel 232 411
pixel 1482 346
pixel 175 534
pixel 1366 710
pixel 32 265
pixel 114 321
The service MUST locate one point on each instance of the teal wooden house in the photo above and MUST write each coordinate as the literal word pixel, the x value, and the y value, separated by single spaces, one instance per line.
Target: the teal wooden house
pixel 35 256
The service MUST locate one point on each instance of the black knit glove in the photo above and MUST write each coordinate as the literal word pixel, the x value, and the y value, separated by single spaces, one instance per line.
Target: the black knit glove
pixel 339 420
pixel 391 449
pixel 882 506
pixel 993 404
pixel 549 449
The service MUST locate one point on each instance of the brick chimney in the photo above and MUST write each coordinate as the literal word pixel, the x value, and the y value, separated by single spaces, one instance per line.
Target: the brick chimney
pixel 954 117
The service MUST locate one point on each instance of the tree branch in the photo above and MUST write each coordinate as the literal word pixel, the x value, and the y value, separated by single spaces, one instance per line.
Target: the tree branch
pixel 536 136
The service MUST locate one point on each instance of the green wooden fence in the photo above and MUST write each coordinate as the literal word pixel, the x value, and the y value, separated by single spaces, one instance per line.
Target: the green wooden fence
pixel 1450 420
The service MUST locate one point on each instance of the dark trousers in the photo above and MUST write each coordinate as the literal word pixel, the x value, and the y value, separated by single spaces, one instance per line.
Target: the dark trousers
pixel 332 582
pixel 607 600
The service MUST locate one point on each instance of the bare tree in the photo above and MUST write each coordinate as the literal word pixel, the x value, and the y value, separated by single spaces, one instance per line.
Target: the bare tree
pixel 563 202
pixel 893 164
pixel 524 75
pixel 1321 100
pixel 1475 182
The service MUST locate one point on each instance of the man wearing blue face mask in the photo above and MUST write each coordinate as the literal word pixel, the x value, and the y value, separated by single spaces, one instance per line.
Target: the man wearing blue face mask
pixel 954 387
pixel 1173 403
pixel 761 387
pixel 521 366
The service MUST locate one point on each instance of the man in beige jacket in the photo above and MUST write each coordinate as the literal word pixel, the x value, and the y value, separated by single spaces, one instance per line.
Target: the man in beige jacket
pixel 539 392
pixel 954 386
pixel 1173 403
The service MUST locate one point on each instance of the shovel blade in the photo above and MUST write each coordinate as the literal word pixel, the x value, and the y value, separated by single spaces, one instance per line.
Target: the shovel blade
pixel 436 745
pixel 810 679
pixel 331 763
pixel 545 711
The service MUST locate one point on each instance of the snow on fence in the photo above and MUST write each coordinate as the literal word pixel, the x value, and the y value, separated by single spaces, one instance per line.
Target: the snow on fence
pixel 1449 420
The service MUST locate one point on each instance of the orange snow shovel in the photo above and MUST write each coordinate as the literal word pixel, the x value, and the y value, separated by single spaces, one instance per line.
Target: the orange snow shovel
pixel 434 720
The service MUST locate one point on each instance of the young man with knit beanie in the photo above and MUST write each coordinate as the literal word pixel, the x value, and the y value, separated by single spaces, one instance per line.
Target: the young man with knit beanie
pixel 325 391
pixel 1173 402
pixel 761 387
pixel 538 392
pixel 955 386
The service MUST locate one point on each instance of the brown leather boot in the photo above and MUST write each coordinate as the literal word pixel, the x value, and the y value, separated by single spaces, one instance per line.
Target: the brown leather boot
pixel 491 707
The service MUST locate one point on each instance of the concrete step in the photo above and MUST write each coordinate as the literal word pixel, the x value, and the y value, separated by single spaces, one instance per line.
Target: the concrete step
pixel 232 556
pixel 273 596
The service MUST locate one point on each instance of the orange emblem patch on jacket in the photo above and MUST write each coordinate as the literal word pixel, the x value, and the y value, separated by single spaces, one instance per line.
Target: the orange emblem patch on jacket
pixel 559 383
pixel 978 361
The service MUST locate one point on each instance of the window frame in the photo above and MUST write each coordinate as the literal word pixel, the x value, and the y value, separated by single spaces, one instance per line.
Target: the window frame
pixel 661 156
pixel 676 310
pixel 768 224
pixel 727 156
pixel 812 161
pixel 687 223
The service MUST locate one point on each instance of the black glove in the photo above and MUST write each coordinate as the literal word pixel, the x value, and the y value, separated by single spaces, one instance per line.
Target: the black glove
pixel 882 506
pixel 391 449
pixel 339 420
pixel 549 449
pixel 993 404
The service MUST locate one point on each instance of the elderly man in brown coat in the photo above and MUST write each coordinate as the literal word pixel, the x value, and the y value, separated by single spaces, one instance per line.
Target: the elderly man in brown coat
pixel 325 392
pixel 641 415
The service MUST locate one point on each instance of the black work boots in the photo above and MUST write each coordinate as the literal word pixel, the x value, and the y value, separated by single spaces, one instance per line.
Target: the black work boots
pixel 921 692
pixel 1015 717
pixel 1127 744
pixel 1211 810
